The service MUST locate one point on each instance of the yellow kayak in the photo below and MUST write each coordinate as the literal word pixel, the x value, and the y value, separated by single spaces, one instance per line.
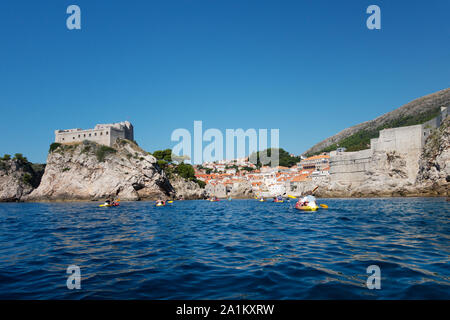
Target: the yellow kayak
pixel 109 205
pixel 307 208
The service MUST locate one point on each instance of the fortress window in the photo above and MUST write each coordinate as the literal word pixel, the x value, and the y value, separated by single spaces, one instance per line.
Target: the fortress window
pixel 73 138
pixel 95 134
pixel 78 136
pixel 63 138
pixel 89 134
pixel 101 133
pixel 106 132
pixel 84 135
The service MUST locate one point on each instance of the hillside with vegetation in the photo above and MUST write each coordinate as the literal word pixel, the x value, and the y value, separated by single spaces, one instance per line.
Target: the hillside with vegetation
pixel 358 137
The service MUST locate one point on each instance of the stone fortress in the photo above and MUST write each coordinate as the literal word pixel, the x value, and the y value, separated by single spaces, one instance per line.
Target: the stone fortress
pixel 407 142
pixel 105 134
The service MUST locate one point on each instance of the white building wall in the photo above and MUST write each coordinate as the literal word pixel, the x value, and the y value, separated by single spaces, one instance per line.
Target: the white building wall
pixel 105 134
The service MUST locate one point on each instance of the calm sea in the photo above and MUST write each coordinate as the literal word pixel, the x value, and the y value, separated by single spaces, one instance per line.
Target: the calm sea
pixel 240 249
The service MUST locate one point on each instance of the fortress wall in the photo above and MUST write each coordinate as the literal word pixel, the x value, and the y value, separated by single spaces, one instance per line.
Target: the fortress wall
pixel 101 136
pixel 350 166
pixel 405 141
pixel 105 134
pixel 402 140
pixel 115 134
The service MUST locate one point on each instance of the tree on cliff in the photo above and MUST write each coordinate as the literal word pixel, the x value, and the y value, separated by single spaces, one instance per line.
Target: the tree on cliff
pixel 285 159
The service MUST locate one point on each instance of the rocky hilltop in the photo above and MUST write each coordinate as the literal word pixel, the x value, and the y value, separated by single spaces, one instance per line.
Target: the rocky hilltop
pixel 18 177
pixel 414 112
pixel 89 171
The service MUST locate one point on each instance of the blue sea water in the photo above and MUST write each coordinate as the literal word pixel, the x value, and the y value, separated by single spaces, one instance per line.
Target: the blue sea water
pixel 240 249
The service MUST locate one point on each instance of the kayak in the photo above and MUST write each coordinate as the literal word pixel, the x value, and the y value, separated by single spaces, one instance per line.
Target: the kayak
pixel 214 200
pixel 262 200
pixel 279 201
pixel 160 204
pixel 307 208
pixel 109 205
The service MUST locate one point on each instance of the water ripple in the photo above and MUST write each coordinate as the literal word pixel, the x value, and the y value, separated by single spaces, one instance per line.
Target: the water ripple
pixel 241 249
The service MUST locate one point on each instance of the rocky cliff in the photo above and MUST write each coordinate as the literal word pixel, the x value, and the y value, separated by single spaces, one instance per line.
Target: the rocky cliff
pixel 434 163
pixel 187 190
pixel 88 171
pixel 242 190
pixel 18 178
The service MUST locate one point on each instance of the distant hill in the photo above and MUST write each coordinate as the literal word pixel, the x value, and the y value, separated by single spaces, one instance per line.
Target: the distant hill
pixel 358 137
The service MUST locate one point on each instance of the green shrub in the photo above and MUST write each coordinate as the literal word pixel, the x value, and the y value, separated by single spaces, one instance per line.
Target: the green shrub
pixel 20 157
pixel 163 155
pixel 54 146
pixel 103 151
pixel 6 157
pixel 27 178
pixel 284 157
pixel 3 166
pixel 86 149
pixel 185 171
pixel 65 169
pixel 162 164
pixel 201 183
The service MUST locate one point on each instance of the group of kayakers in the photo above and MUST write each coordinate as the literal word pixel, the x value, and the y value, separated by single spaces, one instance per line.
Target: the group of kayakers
pixel 110 202
pixel 306 203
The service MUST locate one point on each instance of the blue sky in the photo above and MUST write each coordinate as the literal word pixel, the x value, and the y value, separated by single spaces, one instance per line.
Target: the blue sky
pixel 309 68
